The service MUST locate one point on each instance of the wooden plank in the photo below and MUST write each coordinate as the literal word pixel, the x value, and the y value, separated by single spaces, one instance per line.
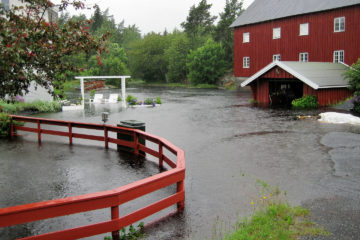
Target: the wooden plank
pixel 148 150
pixel 53 132
pixel 169 162
pixel 122 142
pixel 87 136
pixel 26 129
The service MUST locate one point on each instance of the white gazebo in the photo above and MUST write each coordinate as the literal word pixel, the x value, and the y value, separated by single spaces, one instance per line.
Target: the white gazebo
pixel 83 78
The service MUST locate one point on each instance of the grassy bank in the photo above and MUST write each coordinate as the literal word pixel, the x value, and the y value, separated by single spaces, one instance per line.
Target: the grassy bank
pixel 141 83
pixel 274 218
pixel 36 106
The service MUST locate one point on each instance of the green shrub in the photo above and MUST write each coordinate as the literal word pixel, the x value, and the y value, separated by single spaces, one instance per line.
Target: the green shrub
pixel 92 93
pixel 37 106
pixel 148 101
pixel 8 107
pixel 305 102
pixel 158 100
pixel 131 100
pixel 5 125
pixel 356 104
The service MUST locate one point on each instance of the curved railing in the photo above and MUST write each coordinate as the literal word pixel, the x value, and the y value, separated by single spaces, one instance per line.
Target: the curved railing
pixel 107 199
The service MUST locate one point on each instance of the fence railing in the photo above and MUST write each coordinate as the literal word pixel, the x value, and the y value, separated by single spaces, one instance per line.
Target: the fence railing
pixel 107 199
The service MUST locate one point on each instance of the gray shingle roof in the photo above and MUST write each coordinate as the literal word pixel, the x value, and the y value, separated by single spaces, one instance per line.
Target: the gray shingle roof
pixel 315 74
pixel 265 10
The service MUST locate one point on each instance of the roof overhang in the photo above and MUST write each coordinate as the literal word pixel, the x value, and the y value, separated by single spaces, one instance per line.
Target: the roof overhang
pixel 296 73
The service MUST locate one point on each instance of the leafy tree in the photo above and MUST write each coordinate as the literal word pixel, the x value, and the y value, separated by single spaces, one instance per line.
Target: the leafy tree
pixel 224 34
pixel 32 49
pixel 177 56
pixel 148 59
pixel 206 64
pixel 130 34
pixel 353 76
pixel 199 22
pixel 114 62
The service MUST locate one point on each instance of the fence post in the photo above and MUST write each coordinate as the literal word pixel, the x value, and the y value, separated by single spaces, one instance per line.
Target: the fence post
pixel 114 216
pixel 106 137
pixel 180 186
pixel 70 133
pixel 161 157
pixel 39 131
pixel 136 142
pixel 12 129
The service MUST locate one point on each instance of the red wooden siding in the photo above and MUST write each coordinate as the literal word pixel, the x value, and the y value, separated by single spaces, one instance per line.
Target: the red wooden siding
pixel 277 73
pixel 308 91
pixel 262 92
pixel 320 44
pixel 332 95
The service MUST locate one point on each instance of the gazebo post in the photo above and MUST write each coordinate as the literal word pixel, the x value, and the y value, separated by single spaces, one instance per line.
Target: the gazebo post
pixel 82 91
pixel 123 90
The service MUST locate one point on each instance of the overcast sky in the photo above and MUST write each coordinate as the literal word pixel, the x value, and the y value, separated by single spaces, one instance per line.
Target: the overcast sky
pixel 154 15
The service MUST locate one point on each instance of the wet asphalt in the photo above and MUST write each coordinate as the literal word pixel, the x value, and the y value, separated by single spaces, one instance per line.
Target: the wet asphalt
pixel 229 145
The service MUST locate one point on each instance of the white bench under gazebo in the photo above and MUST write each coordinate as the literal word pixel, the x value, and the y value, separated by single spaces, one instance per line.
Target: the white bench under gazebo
pixel 84 78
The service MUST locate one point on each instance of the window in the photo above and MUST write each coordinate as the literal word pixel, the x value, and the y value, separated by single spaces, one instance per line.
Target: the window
pixel 303 57
pixel 53 16
pixel 246 62
pixel 5 4
pixel 276 57
pixel 338 56
pixel 339 24
pixel 304 29
pixel 246 37
pixel 276 33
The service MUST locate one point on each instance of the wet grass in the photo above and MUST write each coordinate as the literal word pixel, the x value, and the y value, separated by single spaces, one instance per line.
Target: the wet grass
pixel 274 218
pixel 36 106
pixel 278 221
pixel 177 85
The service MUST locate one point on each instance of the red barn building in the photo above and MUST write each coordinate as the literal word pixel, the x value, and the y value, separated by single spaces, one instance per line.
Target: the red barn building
pixel 309 32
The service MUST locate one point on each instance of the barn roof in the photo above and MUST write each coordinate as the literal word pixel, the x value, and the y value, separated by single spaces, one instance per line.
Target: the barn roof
pixel 266 10
pixel 315 74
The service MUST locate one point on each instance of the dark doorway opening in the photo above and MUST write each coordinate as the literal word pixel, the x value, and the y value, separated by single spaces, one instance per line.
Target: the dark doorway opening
pixel 282 92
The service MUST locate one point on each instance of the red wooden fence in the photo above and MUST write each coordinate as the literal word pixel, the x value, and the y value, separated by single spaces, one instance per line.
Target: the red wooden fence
pixel 107 199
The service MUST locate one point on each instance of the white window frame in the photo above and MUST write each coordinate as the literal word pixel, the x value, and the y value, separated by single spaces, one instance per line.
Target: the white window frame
pixel 304 29
pixel 246 37
pixel 277 33
pixel 339 24
pixel 246 62
pixel 339 56
pixel 303 57
pixel 276 57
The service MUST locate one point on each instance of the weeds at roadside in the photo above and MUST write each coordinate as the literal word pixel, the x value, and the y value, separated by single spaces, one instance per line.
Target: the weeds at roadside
pixel 273 218
pixel 132 233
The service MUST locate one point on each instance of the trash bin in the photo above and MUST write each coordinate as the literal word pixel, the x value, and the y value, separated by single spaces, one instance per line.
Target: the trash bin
pixel 134 124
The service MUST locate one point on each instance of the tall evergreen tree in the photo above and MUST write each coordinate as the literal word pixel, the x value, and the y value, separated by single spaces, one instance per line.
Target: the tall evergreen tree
pixel 224 34
pixel 199 22
pixel 97 19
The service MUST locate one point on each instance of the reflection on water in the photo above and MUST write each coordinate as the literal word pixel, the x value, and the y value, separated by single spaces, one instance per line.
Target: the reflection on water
pixel 228 145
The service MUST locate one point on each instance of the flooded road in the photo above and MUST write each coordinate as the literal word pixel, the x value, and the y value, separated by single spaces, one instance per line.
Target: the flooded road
pixel 228 146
